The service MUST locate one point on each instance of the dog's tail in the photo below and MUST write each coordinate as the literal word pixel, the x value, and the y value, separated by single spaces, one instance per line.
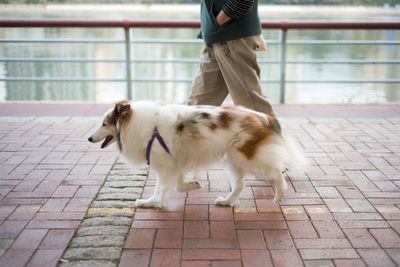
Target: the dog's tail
pixel 296 159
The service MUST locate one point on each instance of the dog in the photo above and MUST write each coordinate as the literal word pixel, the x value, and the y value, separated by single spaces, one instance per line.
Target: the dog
pixel 177 139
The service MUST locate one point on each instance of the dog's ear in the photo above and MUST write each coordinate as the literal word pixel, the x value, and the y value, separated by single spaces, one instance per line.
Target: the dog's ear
pixel 122 108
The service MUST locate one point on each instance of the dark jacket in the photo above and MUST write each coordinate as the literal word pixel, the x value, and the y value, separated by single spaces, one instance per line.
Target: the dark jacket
pixel 245 20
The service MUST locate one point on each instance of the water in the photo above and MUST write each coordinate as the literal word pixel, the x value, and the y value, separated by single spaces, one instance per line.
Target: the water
pixel 177 92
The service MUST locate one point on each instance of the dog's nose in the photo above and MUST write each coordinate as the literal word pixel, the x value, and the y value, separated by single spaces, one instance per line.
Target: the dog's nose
pixel 90 139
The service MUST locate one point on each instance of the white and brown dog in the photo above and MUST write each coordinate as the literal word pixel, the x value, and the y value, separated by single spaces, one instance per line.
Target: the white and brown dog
pixel 177 139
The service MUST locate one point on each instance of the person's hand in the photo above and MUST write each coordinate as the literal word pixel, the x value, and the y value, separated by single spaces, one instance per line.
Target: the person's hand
pixel 222 18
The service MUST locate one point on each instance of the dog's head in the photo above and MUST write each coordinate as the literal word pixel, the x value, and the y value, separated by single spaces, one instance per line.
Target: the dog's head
pixel 109 130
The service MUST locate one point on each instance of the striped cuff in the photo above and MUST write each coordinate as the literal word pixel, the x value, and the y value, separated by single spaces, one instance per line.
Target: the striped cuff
pixel 237 8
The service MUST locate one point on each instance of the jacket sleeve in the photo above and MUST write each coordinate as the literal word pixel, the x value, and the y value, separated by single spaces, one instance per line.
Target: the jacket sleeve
pixel 237 8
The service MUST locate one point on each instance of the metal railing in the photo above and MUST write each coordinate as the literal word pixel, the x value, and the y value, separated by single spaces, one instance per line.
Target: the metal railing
pixel 126 25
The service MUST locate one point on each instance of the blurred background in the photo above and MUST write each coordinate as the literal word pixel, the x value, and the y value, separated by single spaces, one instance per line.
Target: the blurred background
pixel 88 64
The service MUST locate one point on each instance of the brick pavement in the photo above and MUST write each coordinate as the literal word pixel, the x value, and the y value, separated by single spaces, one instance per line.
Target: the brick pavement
pixel 343 211
pixel 49 174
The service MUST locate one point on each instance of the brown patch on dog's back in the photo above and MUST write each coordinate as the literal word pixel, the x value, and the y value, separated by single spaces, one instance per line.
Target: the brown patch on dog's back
pixel 189 127
pixel 225 119
pixel 212 126
pixel 259 129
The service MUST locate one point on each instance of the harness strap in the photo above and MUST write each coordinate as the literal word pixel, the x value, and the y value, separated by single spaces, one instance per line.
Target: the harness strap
pixel 157 136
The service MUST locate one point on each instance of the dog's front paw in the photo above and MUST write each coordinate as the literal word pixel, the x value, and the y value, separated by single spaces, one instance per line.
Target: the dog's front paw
pixel 188 186
pixel 146 203
pixel 139 203
pixel 222 201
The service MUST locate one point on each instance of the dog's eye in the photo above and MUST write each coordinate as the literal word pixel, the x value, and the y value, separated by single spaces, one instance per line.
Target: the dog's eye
pixel 104 125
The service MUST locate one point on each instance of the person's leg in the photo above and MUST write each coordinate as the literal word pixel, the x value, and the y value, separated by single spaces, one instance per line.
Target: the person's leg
pixel 208 88
pixel 237 61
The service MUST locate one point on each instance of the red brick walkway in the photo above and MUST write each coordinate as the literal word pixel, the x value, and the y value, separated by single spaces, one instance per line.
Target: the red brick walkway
pixel 49 175
pixel 343 211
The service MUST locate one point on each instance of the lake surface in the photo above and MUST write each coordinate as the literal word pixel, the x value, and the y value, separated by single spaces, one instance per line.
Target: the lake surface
pixel 145 46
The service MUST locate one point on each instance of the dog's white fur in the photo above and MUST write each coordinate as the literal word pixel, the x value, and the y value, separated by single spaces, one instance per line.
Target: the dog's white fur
pixel 198 136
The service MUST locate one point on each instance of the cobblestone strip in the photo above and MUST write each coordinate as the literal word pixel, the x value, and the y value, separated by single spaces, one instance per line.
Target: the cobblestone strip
pixel 100 237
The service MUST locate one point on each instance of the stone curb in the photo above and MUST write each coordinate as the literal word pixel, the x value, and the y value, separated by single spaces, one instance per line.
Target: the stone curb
pixel 100 237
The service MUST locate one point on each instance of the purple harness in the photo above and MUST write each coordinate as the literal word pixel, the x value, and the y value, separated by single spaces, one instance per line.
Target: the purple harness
pixel 157 136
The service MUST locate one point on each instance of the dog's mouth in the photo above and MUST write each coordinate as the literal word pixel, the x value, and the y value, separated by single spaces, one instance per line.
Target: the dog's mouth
pixel 106 141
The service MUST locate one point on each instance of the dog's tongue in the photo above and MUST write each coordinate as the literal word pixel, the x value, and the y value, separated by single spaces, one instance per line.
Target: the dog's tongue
pixel 108 139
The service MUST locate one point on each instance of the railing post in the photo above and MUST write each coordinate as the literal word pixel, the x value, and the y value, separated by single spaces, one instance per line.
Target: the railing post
pixel 128 63
pixel 283 35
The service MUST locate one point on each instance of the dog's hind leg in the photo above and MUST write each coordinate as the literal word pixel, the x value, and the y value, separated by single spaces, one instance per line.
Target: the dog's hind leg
pixel 237 184
pixel 280 186
pixel 184 186
pixel 164 186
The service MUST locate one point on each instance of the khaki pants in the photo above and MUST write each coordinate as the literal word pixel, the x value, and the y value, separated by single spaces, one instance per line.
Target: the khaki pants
pixel 231 67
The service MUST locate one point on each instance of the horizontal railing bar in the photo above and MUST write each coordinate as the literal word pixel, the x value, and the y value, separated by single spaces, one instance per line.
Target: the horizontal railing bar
pixel 91 60
pixel 283 25
pixel 156 80
pixel 342 42
pixel 67 41
pixel 274 81
pixel 167 41
pixel 294 42
pixel 359 62
pixel 63 60
pixel 56 79
pixel 274 42
pixel 195 41
pixel 191 61
pixel 286 25
pixel 345 81
pixel 195 61
pixel 94 41
pixel 269 42
pixel 80 23
pixel 166 61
